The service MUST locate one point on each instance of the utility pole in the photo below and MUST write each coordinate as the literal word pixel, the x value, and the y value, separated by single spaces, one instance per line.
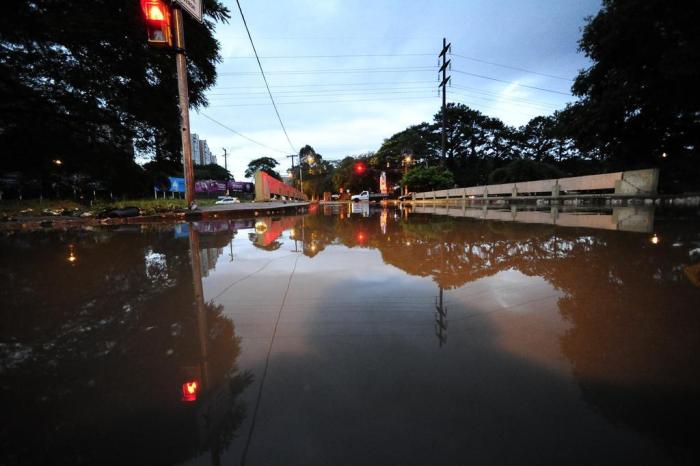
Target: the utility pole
pixel 443 85
pixel 184 101
pixel 225 159
pixel 301 179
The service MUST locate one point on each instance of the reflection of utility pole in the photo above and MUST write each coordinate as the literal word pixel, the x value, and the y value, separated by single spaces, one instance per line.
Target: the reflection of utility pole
pixel 202 328
pixel 440 319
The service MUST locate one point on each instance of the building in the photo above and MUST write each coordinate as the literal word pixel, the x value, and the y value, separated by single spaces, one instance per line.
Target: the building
pixel 201 155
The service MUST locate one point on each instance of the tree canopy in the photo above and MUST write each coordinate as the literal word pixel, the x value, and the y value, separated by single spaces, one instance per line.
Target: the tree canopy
pixel 640 98
pixel 83 76
pixel 265 164
pixel 428 179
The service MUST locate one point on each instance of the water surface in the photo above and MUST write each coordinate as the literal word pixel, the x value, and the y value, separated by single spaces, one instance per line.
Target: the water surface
pixel 354 336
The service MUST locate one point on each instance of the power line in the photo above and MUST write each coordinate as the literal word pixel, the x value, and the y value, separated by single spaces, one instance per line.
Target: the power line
pixel 240 134
pixel 501 96
pixel 512 83
pixel 245 23
pixel 329 84
pixel 348 55
pixel 336 71
pixel 383 55
pixel 511 67
pixel 327 102
pixel 495 100
pixel 387 90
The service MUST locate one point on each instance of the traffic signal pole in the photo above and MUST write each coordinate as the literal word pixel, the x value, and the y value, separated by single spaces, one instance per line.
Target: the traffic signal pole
pixel 184 101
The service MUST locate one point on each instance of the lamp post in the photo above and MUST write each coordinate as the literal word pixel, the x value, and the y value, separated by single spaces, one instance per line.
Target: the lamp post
pixel 407 159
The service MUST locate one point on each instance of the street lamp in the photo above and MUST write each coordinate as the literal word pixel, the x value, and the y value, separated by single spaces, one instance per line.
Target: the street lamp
pixel 407 159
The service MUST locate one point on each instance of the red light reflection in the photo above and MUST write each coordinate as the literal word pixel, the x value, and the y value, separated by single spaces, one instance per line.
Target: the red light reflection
pixel 190 390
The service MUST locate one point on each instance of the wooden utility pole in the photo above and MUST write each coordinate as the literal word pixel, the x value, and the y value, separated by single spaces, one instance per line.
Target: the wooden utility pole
pixel 184 101
pixel 443 85
pixel 292 157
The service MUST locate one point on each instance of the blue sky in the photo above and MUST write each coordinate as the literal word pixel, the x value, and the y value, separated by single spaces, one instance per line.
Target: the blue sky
pixel 348 74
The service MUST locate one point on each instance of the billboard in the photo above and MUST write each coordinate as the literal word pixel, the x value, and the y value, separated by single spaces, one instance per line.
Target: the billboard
pixel 177 185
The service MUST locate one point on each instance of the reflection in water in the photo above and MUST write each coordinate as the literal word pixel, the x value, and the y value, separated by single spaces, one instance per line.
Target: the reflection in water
pixel 440 319
pixel 631 309
pixel 95 349
pixel 570 344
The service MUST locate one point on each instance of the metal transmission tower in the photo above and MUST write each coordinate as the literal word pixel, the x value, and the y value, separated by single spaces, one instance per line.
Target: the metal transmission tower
pixel 443 84
pixel 440 319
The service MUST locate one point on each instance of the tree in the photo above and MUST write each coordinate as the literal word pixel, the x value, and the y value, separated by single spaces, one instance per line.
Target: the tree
pixel 211 171
pixel 427 179
pixel 86 73
pixel 417 140
pixel 346 177
pixel 639 98
pixel 538 139
pixel 265 164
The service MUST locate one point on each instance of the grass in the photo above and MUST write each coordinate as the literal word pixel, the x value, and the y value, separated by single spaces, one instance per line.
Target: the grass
pixel 13 208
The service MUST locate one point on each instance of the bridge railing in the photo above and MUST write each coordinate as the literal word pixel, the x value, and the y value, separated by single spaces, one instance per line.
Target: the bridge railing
pixel 635 182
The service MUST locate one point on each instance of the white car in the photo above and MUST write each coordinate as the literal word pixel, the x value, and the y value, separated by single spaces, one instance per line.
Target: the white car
pixel 227 200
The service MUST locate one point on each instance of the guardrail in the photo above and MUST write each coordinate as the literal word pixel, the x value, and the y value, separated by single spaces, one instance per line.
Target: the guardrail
pixel 631 183
pixel 267 186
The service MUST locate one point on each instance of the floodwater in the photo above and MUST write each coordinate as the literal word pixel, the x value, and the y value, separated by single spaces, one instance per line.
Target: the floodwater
pixel 355 335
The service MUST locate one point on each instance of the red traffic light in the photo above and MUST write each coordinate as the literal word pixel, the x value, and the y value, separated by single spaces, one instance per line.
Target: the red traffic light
pixel 157 16
pixel 190 390
pixel 360 168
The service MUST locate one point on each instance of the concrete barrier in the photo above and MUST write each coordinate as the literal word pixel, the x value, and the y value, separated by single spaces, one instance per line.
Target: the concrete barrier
pixel 632 183
pixel 267 186
pixel 633 219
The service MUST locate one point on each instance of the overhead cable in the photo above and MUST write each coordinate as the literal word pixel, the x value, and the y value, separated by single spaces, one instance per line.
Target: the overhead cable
pixel 241 134
pixel 511 67
pixel 252 44
pixel 512 83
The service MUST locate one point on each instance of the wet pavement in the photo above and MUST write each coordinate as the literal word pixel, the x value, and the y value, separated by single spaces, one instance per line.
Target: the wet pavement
pixel 355 335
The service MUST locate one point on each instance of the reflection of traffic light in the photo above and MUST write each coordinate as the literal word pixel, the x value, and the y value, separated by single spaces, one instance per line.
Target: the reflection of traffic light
pixel 157 16
pixel 360 168
pixel 190 390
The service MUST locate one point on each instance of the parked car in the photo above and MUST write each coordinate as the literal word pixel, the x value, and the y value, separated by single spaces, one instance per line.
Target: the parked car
pixel 227 200
pixel 368 196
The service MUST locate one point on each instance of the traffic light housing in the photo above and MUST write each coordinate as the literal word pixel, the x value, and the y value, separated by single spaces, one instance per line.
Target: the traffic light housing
pixel 157 15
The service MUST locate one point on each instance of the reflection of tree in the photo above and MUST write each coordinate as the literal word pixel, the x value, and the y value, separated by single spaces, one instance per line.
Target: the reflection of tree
pixel 93 352
pixel 635 329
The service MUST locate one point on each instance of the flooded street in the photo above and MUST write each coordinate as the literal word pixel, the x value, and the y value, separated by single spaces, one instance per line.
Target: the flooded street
pixel 355 335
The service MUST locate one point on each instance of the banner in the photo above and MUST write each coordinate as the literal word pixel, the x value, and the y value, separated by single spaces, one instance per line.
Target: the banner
pixel 177 185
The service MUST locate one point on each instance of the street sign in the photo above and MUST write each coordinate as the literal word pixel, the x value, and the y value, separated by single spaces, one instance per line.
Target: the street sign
pixel 193 7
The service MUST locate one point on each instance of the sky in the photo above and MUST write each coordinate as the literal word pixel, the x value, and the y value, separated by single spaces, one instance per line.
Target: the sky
pixel 348 74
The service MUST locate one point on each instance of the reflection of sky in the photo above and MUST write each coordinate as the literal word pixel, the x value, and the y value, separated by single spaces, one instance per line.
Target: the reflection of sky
pixel 356 335
pixel 348 292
